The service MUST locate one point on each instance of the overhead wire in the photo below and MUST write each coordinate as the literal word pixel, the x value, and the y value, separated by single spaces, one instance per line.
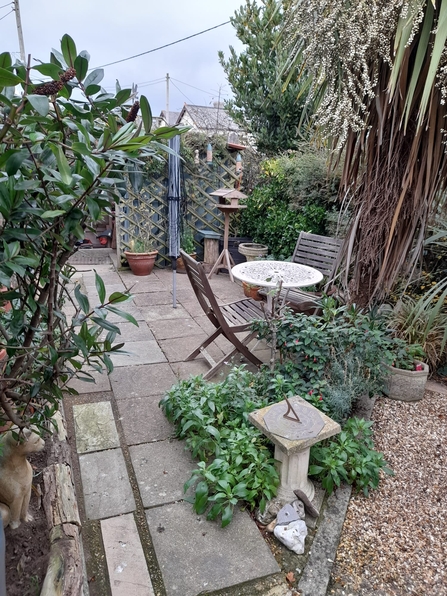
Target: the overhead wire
pixel 5 5
pixel 164 46
pixel 181 92
pixel 7 14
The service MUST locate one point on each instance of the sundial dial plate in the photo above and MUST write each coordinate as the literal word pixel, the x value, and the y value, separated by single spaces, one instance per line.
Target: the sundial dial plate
pixel 310 425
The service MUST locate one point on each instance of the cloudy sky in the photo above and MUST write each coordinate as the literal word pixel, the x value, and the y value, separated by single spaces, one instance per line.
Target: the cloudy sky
pixel 111 30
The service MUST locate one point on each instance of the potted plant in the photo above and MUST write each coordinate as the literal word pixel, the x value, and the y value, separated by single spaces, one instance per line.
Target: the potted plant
pixel 54 180
pixel 141 256
pixel 407 374
pixel 251 291
pixel 187 244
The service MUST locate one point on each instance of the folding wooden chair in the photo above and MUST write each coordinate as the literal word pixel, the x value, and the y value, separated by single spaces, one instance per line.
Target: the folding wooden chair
pixel 322 253
pixel 228 320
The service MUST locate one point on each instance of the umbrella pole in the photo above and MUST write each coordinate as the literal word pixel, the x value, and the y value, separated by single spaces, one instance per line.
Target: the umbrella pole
pixel 174 282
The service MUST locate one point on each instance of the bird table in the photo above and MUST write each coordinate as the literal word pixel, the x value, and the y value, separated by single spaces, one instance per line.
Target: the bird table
pixel 225 260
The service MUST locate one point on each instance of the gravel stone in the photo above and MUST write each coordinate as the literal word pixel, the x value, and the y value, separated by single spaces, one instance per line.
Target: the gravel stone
pixel 394 543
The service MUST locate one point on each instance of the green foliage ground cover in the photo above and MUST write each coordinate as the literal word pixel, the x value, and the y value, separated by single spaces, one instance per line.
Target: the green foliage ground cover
pixel 329 361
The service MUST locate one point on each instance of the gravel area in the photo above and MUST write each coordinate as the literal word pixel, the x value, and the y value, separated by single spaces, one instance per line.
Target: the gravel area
pixel 394 543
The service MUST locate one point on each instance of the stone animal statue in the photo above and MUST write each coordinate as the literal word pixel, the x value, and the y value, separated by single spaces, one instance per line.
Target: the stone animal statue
pixel 16 476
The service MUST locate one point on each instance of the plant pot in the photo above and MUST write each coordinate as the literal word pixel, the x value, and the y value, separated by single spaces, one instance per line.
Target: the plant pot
pixel 4 306
pixel 252 251
pixel 181 264
pixel 141 263
pixel 406 385
pixel 251 291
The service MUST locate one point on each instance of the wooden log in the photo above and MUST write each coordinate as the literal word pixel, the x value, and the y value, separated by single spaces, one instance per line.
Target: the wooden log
pixel 65 571
pixel 59 500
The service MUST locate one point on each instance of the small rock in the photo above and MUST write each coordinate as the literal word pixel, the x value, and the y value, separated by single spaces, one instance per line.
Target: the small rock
pixel 271 526
pixel 299 508
pixel 286 515
pixel 270 512
pixel 293 535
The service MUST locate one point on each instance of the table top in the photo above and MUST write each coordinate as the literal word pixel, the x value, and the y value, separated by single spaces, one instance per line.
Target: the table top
pixel 270 273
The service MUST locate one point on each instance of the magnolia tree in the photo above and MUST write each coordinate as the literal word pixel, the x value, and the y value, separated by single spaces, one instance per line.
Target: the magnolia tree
pixel 378 78
pixel 65 146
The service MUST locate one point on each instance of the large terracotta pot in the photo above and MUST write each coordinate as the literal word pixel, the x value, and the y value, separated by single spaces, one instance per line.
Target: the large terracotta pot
pixel 141 263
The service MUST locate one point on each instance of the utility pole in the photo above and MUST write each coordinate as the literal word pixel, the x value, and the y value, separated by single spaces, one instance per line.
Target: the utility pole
pixel 19 30
pixel 167 99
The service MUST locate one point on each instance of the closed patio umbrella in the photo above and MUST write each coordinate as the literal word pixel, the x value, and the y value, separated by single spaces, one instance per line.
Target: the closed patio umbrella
pixel 174 197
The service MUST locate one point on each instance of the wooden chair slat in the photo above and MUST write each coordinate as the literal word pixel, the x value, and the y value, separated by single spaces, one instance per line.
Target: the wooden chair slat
pixel 227 319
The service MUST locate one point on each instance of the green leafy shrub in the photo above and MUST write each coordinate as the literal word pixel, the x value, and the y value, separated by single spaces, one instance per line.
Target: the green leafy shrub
pixel 63 161
pixel 213 419
pixel 349 457
pixel 333 359
pixel 294 194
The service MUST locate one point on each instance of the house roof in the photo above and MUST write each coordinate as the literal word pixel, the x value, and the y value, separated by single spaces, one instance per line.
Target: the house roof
pixel 209 118
pixel 173 116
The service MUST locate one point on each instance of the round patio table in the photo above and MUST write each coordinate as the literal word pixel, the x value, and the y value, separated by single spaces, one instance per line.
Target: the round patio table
pixel 271 274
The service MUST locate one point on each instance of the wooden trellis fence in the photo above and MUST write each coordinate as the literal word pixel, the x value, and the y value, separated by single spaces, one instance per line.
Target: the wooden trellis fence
pixel 146 212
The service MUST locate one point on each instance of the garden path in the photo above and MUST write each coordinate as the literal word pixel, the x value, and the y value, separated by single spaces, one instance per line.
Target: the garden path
pixel 140 537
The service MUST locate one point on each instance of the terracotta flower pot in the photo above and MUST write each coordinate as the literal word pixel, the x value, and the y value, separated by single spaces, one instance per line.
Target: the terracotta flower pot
pixel 251 291
pixel 141 263
pixel 181 264
pixel 4 306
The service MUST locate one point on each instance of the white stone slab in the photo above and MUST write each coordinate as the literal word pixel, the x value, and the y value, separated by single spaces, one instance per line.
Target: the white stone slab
pixel 95 427
pixel 125 558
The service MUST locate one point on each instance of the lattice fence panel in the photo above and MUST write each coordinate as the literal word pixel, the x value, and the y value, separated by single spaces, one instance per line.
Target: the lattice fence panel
pixel 146 212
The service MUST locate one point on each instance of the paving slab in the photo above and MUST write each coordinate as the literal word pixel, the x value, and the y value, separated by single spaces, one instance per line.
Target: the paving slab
pixel 140 381
pixel 143 421
pixel 193 308
pixel 168 330
pixel 183 370
pixel 206 556
pixel 127 567
pixel 161 470
pixel 101 383
pixel 153 298
pixel 138 352
pixel 177 349
pixel 130 332
pixel 95 427
pixel 106 486
pixel 139 286
pixel 163 312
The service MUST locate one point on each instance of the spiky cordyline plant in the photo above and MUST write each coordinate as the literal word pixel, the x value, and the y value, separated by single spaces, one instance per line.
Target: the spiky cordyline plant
pixel 379 79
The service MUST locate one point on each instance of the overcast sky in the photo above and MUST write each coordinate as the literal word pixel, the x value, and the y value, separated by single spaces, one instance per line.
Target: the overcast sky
pixel 111 30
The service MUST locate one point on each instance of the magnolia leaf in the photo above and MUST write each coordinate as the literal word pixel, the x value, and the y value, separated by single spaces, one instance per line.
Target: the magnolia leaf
pixel 63 165
pixel 100 288
pixel 68 48
pixel 8 78
pixel 40 103
pixel 95 77
pixel 146 114
pixel 49 70
pixel 52 214
pixel 81 66
pixel 5 60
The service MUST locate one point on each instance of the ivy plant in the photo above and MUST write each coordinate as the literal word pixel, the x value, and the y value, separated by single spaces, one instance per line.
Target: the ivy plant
pixel 65 146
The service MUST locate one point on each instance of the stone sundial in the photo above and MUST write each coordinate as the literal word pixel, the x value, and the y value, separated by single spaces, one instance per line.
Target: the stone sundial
pixel 293 420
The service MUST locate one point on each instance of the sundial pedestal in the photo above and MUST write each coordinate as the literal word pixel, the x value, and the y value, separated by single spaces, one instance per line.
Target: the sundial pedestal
pixel 293 440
